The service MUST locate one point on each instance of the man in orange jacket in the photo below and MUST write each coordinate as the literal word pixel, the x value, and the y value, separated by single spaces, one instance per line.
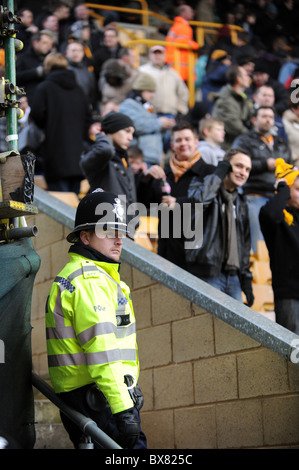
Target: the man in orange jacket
pixel 181 32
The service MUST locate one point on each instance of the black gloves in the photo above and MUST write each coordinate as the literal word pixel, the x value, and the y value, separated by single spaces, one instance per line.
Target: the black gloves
pixel 128 427
pixel 223 168
pixel 247 289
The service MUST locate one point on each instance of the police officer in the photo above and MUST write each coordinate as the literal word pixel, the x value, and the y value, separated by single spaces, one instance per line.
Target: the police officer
pixel 90 325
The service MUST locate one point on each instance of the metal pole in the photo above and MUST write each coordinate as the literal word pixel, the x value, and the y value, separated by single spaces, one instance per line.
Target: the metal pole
pixel 87 425
pixel 10 69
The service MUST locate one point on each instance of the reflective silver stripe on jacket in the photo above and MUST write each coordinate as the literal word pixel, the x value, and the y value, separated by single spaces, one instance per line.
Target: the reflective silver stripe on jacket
pixel 176 36
pixel 92 359
pixel 60 331
pixel 75 359
pixel 105 329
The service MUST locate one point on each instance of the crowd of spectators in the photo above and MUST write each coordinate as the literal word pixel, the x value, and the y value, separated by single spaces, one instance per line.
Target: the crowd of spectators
pixel 75 71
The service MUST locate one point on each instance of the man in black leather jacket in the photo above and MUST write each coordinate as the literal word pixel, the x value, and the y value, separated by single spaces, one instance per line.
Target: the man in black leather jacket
pixel 223 259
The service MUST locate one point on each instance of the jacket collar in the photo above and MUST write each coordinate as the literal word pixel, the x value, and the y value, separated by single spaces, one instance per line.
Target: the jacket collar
pixel 90 253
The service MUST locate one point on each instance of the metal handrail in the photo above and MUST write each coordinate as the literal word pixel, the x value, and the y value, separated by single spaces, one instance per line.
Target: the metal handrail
pixel 201 27
pixel 87 425
pixel 144 10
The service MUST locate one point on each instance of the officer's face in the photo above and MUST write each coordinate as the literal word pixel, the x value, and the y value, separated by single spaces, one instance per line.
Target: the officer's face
pixel 104 242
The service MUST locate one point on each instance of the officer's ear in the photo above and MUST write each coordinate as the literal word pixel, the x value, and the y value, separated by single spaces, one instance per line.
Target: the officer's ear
pixel 85 237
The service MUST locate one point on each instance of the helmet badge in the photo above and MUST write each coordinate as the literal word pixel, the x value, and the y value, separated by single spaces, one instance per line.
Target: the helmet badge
pixel 119 209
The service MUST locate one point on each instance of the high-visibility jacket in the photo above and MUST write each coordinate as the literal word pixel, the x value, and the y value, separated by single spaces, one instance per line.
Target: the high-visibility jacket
pixel 91 330
pixel 182 33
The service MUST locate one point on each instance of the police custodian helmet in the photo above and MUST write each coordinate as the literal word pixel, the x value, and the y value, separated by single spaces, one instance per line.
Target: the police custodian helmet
pixel 99 209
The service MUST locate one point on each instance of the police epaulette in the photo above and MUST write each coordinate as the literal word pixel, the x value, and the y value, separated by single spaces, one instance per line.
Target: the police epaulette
pixel 65 283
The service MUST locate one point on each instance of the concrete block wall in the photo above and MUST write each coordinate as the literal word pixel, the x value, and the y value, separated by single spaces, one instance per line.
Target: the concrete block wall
pixel 205 384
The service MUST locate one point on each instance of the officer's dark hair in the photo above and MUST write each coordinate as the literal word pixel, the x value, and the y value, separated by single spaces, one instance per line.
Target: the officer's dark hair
pixel 89 230
pixel 232 152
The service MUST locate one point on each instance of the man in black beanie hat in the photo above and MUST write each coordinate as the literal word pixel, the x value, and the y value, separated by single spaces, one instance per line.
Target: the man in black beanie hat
pixel 113 122
pixel 105 164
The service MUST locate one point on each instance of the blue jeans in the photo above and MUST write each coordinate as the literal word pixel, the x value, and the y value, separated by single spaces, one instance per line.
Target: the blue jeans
pixel 254 206
pixel 227 283
pixel 287 314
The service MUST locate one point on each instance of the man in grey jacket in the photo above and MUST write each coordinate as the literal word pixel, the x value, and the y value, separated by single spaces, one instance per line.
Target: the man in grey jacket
pixel 233 106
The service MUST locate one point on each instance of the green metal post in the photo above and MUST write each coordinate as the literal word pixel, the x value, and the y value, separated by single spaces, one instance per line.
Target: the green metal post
pixel 10 69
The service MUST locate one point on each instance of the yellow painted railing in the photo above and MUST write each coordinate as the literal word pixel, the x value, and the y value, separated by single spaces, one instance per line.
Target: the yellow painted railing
pixel 144 12
pixel 202 28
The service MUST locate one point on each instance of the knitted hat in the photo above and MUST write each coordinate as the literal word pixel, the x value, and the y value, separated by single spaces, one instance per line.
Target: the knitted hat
pixel 99 210
pixel 261 65
pixel 286 171
pixel 144 82
pixel 289 173
pixel 219 54
pixel 114 121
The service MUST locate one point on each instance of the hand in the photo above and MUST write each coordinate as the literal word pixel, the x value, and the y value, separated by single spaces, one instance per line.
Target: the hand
pixel 128 428
pixel 247 289
pixel 271 164
pixel 169 201
pixel 280 180
pixel 167 123
pixel 156 172
pixel 249 297
pixel 32 29
pixel 225 166
pixel 223 169
pixel 94 129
